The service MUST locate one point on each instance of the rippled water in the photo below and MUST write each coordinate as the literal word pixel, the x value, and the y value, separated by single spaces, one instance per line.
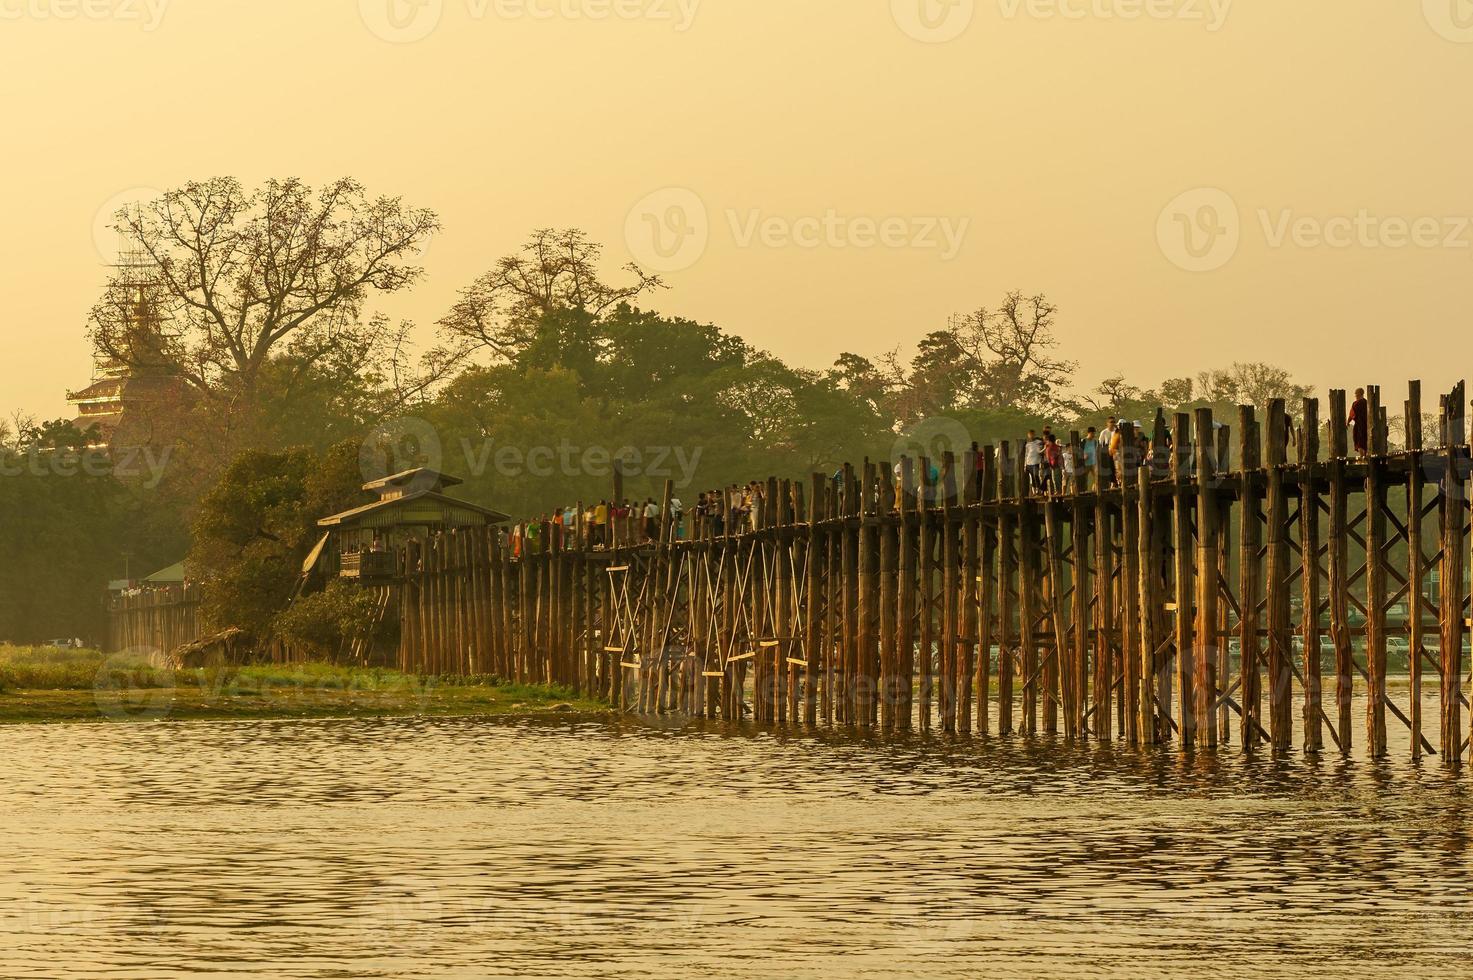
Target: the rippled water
pixel 453 848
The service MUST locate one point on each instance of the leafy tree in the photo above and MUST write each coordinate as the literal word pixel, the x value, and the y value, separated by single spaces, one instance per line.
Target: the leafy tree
pixel 70 525
pixel 1174 391
pixel 255 528
pixel 862 380
pixel 326 622
pixel 700 402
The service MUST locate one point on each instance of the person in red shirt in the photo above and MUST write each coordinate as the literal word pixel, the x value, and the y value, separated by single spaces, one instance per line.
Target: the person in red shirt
pixel 619 521
pixel 1053 464
pixel 1360 422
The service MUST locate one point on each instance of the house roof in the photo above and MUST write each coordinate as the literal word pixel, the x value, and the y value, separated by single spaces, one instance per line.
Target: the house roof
pixel 348 517
pixel 109 388
pixel 165 576
pixel 420 476
pixel 126 388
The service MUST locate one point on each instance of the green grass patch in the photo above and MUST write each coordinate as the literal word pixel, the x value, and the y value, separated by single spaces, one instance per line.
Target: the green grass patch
pixel 39 684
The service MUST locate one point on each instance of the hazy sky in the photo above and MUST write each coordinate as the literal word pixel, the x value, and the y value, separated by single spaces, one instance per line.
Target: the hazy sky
pixel 1192 181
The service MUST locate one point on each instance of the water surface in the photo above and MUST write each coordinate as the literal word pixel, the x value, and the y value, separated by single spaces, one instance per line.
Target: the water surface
pixel 457 848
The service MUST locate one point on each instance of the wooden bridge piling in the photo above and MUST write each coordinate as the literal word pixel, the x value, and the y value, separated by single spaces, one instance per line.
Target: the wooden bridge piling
pixel 1309 576
pixel 1007 589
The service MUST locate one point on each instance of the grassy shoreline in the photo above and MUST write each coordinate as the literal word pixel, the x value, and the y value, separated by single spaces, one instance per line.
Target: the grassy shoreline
pixel 39 685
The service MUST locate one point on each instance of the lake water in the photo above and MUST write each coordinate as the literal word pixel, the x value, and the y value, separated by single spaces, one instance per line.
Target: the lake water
pixel 534 848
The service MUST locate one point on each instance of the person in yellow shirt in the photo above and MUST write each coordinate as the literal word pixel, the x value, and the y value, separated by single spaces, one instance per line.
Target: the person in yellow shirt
pixel 1116 453
pixel 600 523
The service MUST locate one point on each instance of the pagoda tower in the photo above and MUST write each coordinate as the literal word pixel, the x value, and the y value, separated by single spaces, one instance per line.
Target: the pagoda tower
pixel 121 406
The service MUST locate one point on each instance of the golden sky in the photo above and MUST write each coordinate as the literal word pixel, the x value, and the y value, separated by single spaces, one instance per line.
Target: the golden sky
pixel 1192 181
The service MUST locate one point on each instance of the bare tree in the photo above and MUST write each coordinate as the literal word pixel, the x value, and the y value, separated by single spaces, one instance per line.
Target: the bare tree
pixel 907 396
pixel 1012 348
pixel 13 430
pixel 1259 384
pixel 1109 395
pixel 1251 383
pixel 233 277
pixel 984 360
pixel 1216 386
pixel 556 269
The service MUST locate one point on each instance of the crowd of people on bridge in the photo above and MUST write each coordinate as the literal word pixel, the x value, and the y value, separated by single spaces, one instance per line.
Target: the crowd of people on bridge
pixel 624 523
pixel 1050 466
pixel 606 524
pixel 1049 469
pixel 734 509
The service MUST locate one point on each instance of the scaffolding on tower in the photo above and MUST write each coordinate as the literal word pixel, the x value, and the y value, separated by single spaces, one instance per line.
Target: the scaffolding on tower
pixel 128 387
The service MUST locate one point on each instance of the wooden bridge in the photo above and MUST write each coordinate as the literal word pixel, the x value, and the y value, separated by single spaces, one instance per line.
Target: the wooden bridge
pixel 1208 596
pixel 162 619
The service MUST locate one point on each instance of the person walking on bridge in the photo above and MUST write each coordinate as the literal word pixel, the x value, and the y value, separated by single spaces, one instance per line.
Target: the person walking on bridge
pixel 1033 461
pixel 651 519
pixel 619 522
pixel 600 525
pixel 1053 465
pixel 1360 422
pixel 1094 451
pixel 716 512
pixel 1107 452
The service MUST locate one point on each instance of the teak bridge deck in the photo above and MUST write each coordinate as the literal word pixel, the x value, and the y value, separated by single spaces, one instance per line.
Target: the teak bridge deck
pixel 1193 602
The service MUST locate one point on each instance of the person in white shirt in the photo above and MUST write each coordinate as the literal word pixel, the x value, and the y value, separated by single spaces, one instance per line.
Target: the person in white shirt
pixel 1105 457
pixel 1033 461
pixel 651 520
